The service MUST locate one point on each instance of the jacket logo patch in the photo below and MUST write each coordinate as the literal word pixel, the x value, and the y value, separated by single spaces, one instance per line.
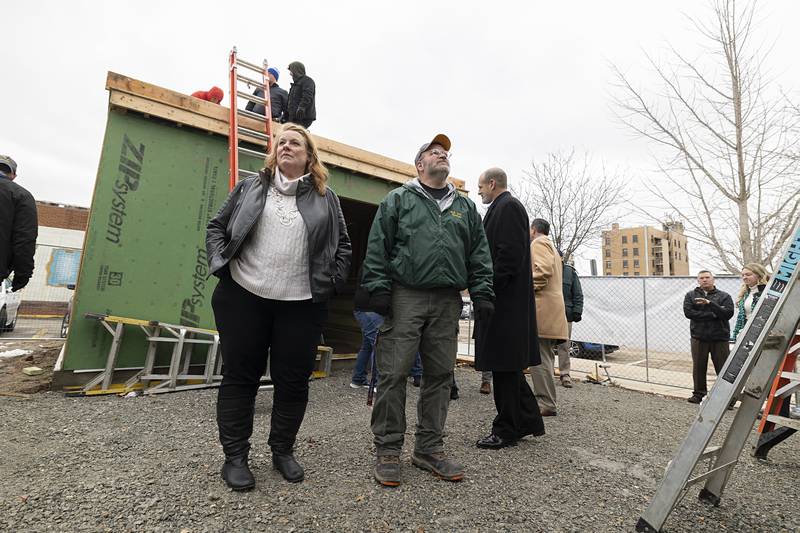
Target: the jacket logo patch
pixel 456 214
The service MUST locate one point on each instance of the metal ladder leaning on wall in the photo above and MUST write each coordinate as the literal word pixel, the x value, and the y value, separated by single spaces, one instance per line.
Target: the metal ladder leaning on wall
pixel 747 375
pixel 236 131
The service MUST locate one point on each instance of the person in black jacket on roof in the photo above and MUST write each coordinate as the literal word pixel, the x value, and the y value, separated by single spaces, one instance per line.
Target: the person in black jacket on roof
pixel 302 95
pixel 278 98
pixel 18 227
pixel 709 311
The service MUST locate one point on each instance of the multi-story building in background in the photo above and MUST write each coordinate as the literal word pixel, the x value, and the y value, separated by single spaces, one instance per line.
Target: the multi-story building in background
pixel 645 251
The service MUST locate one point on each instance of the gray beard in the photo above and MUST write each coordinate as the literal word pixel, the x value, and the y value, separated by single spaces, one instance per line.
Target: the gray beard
pixel 439 174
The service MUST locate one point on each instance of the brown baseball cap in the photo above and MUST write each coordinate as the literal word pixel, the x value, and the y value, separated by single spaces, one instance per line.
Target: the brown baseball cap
pixel 440 139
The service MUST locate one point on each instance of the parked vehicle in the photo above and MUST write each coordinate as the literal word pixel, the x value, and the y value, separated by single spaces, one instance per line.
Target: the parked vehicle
pixel 590 350
pixel 9 304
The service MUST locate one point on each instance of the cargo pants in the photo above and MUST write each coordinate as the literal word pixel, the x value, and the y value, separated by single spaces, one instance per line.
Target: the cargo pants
pixel 424 320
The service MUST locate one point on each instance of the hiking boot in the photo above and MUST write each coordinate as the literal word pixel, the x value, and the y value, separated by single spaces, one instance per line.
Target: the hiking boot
pixel 486 388
pixel 237 474
pixel 287 465
pixel 566 381
pixel 439 465
pixel 695 398
pixel 387 470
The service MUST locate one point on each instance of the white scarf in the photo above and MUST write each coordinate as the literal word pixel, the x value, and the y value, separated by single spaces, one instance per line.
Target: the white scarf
pixel 284 185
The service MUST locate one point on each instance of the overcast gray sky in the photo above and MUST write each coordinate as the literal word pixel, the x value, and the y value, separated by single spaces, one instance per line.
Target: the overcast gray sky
pixel 507 81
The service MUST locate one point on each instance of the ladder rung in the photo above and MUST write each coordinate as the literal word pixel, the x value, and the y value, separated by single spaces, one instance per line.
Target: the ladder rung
pixel 251 66
pixel 250 114
pixel 791 376
pixel 783 421
pixel 251 81
pixel 711 472
pixel 710 452
pixel 253 133
pixel 254 153
pixel 251 97
pixel 787 390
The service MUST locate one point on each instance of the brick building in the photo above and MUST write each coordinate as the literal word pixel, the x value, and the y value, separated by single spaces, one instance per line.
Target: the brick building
pixel 645 251
pixel 53 215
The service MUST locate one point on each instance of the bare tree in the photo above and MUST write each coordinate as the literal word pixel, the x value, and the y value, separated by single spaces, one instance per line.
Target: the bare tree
pixel 577 200
pixel 725 141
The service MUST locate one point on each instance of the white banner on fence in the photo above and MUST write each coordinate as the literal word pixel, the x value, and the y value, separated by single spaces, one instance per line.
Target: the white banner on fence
pixel 614 311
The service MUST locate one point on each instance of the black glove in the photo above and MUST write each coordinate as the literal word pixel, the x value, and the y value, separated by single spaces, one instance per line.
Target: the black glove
pixel 300 114
pixel 576 317
pixel 381 303
pixel 484 309
pixel 18 283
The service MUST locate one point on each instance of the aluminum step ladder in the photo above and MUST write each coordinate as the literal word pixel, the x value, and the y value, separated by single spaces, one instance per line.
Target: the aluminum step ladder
pixel 747 375
pixel 237 132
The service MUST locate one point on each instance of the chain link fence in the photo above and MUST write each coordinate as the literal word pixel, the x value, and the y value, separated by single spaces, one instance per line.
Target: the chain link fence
pixel 634 324
pixel 639 326
pixel 42 307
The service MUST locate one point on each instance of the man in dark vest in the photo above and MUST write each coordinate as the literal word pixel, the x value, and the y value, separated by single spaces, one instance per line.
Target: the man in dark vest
pixel 302 96
pixel 507 342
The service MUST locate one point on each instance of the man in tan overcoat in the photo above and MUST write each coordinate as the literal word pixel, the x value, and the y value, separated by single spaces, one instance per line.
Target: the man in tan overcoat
pixel 551 318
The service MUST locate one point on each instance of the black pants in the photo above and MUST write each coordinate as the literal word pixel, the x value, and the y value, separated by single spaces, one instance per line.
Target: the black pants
pixel 517 409
pixel 719 350
pixel 252 328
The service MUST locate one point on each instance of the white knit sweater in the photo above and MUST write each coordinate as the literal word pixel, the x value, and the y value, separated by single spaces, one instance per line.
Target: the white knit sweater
pixel 273 262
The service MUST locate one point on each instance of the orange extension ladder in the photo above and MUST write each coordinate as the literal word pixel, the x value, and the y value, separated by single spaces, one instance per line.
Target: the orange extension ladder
pixel 775 428
pixel 238 133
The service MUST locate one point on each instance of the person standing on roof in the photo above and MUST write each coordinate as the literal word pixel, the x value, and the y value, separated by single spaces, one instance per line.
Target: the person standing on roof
pixel 425 246
pixel 18 227
pixel 302 95
pixel 278 98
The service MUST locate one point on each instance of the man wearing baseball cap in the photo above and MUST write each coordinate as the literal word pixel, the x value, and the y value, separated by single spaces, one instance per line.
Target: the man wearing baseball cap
pixel 278 98
pixel 18 227
pixel 426 245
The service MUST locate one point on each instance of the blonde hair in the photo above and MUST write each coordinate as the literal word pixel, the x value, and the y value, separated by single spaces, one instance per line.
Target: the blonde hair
pixel 758 270
pixel 314 165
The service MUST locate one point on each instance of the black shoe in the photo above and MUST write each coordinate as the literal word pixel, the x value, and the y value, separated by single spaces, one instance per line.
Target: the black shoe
pixel 287 465
pixel 493 442
pixel 454 393
pixel 237 474
pixel 387 470
pixel 695 398
pixel 439 464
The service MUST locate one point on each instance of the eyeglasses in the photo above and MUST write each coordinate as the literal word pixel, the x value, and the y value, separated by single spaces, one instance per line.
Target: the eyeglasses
pixel 439 153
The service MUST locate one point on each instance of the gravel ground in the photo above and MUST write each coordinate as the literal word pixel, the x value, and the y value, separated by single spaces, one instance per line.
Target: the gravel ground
pixel 152 464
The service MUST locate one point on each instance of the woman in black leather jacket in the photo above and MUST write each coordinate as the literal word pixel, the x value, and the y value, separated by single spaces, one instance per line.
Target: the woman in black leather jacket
pixel 280 248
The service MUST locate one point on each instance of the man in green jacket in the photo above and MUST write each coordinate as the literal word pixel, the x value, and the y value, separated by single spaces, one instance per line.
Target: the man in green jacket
pixel 426 245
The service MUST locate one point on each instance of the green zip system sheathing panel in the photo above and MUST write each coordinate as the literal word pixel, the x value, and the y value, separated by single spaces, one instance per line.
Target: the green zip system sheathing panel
pixel 144 254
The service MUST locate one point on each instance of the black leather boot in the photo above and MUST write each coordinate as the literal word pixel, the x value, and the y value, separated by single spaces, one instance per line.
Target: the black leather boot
pixel 286 420
pixel 235 423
